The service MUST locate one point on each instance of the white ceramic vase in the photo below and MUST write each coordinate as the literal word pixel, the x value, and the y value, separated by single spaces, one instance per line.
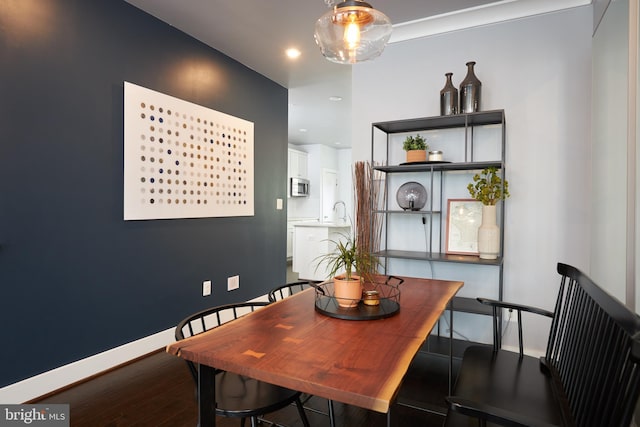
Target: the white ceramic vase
pixel 489 234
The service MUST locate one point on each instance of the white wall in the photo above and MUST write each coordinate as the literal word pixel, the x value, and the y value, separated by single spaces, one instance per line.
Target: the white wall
pixel 637 162
pixel 609 147
pixel 599 8
pixel 345 178
pixel 616 237
pixel 539 71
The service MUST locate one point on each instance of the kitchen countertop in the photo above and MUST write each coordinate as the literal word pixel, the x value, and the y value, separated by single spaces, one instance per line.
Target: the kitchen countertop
pixel 303 219
pixel 322 224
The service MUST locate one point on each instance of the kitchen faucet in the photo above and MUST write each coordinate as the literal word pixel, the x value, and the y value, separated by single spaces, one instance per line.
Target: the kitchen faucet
pixel 344 207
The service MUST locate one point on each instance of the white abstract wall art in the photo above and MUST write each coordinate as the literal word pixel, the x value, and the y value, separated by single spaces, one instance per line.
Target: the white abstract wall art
pixel 183 160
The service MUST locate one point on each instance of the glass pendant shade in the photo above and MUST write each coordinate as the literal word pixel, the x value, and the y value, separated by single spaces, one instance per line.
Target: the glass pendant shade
pixel 411 196
pixel 351 32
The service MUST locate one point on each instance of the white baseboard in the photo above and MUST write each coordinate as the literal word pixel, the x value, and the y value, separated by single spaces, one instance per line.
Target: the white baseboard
pixel 58 378
pixel 63 376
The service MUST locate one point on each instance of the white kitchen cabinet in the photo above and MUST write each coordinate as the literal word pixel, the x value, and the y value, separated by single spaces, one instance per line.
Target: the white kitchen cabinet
pixel 290 230
pixel 311 241
pixel 291 223
pixel 298 164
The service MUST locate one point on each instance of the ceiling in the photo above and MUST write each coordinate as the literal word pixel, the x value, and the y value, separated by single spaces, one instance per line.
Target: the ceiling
pixel 257 32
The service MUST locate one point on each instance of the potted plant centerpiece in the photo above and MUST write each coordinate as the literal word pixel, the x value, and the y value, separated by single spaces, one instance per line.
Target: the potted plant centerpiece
pixel 416 148
pixel 356 263
pixel 488 188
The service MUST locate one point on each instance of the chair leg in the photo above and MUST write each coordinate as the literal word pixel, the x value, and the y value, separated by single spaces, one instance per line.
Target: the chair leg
pixel 254 421
pixel 332 418
pixel 303 415
pixel 242 422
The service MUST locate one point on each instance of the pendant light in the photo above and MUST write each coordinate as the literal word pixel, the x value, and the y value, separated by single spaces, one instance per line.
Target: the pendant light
pixel 353 31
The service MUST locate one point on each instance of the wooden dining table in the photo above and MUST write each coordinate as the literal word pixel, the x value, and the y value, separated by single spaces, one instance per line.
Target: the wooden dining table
pixel 291 344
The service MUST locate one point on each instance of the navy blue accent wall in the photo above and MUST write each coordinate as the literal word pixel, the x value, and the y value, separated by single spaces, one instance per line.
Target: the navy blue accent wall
pixel 75 278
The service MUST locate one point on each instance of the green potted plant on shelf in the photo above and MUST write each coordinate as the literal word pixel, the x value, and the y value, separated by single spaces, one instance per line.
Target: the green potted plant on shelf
pixel 488 188
pixel 349 265
pixel 416 148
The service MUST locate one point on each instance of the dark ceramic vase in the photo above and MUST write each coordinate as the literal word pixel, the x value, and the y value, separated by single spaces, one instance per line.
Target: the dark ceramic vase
pixel 470 91
pixel 448 98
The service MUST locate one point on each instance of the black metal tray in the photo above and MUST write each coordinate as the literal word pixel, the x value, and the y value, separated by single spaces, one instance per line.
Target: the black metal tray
pixel 389 303
pixel 425 162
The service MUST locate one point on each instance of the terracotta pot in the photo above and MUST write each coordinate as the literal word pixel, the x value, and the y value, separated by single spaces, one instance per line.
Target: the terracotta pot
pixel 347 292
pixel 416 156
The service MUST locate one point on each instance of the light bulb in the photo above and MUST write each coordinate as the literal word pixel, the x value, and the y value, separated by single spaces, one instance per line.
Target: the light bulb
pixel 352 35
pixel 352 40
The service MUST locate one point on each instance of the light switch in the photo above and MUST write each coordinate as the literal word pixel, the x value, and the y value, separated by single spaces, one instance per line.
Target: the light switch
pixel 206 288
pixel 233 283
pixel 279 204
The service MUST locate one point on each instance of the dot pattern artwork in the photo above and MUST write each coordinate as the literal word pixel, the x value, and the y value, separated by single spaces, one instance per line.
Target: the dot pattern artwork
pixel 183 160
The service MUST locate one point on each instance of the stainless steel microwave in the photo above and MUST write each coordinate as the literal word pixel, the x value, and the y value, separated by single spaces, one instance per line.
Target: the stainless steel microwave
pixel 299 187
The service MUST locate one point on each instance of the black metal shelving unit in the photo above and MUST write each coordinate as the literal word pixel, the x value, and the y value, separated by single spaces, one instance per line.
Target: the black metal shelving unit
pixel 467 123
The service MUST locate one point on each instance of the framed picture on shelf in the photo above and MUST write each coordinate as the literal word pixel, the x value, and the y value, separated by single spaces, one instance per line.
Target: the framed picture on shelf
pixel 463 219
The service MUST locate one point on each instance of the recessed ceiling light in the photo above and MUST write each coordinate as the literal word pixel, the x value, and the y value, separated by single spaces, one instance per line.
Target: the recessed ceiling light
pixel 338 143
pixel 303 130
pixel 335 98
pixel 293 53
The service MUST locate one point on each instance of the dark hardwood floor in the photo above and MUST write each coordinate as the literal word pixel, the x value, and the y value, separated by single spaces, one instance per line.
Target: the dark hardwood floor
pixel 158 391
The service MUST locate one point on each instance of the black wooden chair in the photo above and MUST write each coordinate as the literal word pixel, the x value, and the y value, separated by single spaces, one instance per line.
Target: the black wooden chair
pixel 286 290
pixel 236 395
pixel 589 376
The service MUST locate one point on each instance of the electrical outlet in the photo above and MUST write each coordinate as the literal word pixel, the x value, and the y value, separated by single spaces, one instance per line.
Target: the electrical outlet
pixel 233 283
pixel 206 288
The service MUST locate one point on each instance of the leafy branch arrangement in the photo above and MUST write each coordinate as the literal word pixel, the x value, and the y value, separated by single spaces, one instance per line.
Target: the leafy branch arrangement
pixel 415 143
pixel 488 187
pixel 348 256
